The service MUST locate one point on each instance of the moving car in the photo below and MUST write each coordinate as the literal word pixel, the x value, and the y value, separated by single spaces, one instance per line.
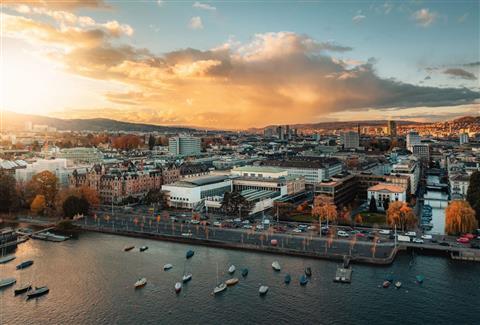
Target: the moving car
pixel 384 232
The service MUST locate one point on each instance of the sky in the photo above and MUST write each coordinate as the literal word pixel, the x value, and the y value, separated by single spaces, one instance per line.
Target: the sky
pixel 240 64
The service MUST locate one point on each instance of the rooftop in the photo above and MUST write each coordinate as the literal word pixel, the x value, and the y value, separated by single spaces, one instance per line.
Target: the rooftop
pixel 259 169
pixel 387 187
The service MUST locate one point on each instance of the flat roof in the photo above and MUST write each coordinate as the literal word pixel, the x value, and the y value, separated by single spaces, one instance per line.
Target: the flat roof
pixel 393 188
pixel 259 169
pixel 200 181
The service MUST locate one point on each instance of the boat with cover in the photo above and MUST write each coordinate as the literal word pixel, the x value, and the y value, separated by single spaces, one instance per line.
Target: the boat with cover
pixel 244 272
pixel 7 282
pixel 308 271
pixel 398 284
pixel 167 267
pixel 287 278
pixel 38 292
pixel 420 278
pixel 303 280
pixel 187 277
pixel 143 248
pixel 221 286
pixel 189 253
pixel 231 269
pixel 386 284
pixel 263 290
pixel 231 282
pixel 22 289
pixel 178 287
pixel 276 266
pixel 24 264
pixel 7 259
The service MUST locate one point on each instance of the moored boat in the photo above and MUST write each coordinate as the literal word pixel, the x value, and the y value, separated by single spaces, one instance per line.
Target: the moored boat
pixel 7 259
pixel 287 278
pixel 420 278
pixel 128 248
pixel 303 280
pixel 140 283
pixel 24 264
pixel 189 253
pixel 244 272
pixel 219 288
pixel 143 248
pixel 38 292
pixel 231 282
pixel 178 287
pixel 231 269
pixel 386 284
pixel 398 284
pixel 7 282
pixel 187 277
pixel 263 290
pixel 167 267
pixel 308 271
pixel 389 278
pixel 22 289
pixel 276 266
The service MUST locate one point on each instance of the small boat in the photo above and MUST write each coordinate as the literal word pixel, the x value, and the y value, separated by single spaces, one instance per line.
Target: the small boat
pixel 187 277
pixel 276 266
pixel 274 242
pixel 24 264
pixel 143 248
pixel 219 288
pixel 128 248
pixel 244 272
pixel 420 278
pixel 38 292
pixel 263 290
pixel 22 289
pixel 178 287
pixel 140 283
pixel 389 278
pixel 398 284
pixel 303 280
pixel 386 284
pixel 231 282
pixel 7 282
pixel 231 269
pixel 287 278
pixel 167 267
pixel 7 259
pixel 190 253
pixel 308 271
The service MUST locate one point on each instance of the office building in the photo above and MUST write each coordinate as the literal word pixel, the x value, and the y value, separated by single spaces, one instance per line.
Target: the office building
pixel 184 146
pixel 392 129
pixel 350 140
pixel 413 138
pixel 463 138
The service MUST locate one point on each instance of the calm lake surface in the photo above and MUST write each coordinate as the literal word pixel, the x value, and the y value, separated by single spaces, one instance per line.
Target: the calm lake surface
pixel 91 282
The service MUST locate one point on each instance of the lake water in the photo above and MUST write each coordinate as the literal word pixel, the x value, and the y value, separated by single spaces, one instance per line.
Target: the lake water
pixel 91 282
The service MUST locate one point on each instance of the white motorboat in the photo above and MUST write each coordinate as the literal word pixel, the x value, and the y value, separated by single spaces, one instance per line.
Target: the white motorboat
pixel 398 284
pixel 231 269
pixel 7 282
pixel 167 267
pixel 263 290
pixel 231 282
pixel 219 288
pixel 276 266
pixel 140 283
pixel 178 287
pixel 7 259
pixel 187 277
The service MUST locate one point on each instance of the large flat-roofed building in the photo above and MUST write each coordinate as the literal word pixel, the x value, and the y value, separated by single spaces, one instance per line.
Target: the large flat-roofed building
pixel 55 166
pixel 341 188
pixel 313 169
pixel 410 168
pixel 387 191
pixel 189 193
pixel 184 146
pixel 259 171
pixel 81 155
pixel 367 180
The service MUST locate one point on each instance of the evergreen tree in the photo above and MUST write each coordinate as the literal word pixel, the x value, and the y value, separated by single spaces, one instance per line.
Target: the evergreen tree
pixel 373 205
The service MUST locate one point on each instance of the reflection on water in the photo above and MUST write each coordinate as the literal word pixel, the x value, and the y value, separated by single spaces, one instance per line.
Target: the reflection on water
pixel 91 282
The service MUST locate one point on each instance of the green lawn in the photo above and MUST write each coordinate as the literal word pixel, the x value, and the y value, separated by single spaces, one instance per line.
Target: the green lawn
pixel 370 218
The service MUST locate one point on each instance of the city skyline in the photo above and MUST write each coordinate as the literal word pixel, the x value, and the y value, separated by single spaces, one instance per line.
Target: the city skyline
pixel 241 64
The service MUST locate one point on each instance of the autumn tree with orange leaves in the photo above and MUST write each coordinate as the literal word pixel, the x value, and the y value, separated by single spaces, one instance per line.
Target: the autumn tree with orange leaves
pixel 460 218
pixel 324 209
pixel 38 204
pixel 401 215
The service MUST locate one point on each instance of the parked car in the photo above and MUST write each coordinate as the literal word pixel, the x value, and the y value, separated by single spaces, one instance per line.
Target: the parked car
pixel 296 230
pixel 260 227
pixel 444 243
pixel 411 234
pixel 359 234
pixel 342 233
pixel 247 227
pixel 384 232
pixel 194 222
pixel 217 224
pixel 463 240
pixel 417 241
pixel 427 237
pixel 173 219
pixel 469 236
pixel 237 220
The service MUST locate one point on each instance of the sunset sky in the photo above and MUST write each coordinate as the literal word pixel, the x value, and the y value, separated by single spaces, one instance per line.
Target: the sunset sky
pixel 239 64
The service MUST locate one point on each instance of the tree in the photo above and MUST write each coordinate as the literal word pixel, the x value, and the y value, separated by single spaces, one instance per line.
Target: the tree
pixel 155 196
pixel 74 205
pixel 358 219
pixel 324 209
pixel 234 203
pixel 151 142
pixel 473 193
pixel 90 195
pixel 460 218
pixel 9 198
pixel 373 205
pixel 45 183
pixel 386 203
pixel 38 204
pixel 401 215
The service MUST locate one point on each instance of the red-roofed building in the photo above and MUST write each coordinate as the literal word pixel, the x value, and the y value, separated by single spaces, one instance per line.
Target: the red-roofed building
pixel 387 191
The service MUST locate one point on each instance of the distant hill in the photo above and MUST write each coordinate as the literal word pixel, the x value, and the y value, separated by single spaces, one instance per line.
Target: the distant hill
pixel 15 121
